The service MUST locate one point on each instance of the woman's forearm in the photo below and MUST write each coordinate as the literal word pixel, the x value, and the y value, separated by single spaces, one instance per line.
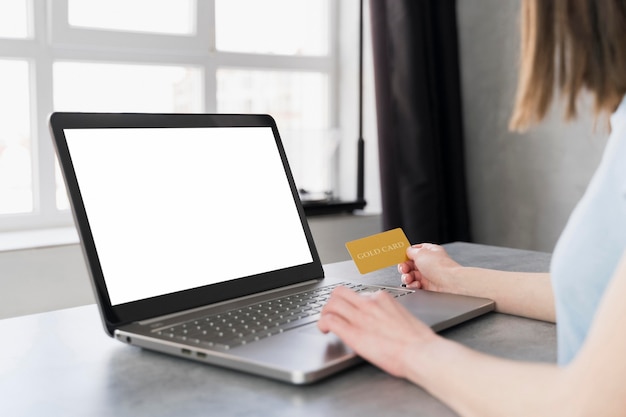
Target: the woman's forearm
pixel 475 384
pixel 520 293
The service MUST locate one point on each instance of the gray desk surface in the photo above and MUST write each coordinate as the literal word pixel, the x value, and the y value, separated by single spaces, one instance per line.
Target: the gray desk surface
pixel 62 364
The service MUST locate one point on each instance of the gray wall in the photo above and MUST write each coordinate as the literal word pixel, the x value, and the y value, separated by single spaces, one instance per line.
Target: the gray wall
pixel 522 187
pixel 42 279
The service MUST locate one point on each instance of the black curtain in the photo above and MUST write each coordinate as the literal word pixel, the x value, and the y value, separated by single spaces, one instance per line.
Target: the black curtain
pixel 420 129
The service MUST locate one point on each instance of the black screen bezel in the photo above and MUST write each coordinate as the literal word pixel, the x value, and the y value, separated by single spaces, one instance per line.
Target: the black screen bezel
pixel 115 316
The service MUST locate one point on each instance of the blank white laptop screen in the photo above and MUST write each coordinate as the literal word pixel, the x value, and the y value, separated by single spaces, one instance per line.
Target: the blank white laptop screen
pixel 172 209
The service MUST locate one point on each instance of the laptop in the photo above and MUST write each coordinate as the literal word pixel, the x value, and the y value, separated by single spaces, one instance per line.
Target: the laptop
pixel 197 244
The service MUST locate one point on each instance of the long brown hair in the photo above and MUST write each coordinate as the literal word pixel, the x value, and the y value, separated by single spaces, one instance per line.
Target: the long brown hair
pixel 571 45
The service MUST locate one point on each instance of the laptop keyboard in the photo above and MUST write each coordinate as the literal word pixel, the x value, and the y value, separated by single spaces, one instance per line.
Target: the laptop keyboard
pixel 257 321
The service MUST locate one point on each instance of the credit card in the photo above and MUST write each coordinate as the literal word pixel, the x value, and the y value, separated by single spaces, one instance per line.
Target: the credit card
pixel 379 251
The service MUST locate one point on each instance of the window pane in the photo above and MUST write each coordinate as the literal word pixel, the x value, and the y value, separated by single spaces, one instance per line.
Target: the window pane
pixel 124 88
pixel 174 17
pixel 13 19
pixel 286 27
pixel 15 143
pixel 299 101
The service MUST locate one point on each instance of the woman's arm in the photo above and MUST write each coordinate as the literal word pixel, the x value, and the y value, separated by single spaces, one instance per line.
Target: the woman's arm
pixel 523 294
pixel 474 384
pixel 520 293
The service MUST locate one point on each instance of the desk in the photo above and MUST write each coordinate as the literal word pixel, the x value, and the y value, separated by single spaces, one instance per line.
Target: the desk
pixel 61 363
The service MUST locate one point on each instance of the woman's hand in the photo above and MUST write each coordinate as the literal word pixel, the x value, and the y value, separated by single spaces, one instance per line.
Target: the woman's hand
pixel 429 267
pixel 378 328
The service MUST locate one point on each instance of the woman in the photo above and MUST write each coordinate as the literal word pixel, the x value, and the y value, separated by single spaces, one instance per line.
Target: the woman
pixel 577 45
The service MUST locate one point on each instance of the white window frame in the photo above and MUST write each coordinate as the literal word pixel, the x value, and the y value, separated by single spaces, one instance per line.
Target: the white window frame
pixel 54 40
pixel 62 34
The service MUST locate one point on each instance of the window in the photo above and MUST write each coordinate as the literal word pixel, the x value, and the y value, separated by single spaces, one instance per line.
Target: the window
pixel 15 142
pixel 14 19
pixel 306 22
pixel 277 56
pixel 173 17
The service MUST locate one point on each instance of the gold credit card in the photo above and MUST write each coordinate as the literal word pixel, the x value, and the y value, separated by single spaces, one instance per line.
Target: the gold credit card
pixel 379 251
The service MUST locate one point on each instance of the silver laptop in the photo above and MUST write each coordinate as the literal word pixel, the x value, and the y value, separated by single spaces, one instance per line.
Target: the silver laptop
pixel 197 244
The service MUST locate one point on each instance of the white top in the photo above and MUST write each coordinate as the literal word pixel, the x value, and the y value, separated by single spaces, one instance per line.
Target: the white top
pixel 591 245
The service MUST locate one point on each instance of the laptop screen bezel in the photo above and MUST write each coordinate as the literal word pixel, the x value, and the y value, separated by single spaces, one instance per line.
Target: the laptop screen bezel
pixel 114 316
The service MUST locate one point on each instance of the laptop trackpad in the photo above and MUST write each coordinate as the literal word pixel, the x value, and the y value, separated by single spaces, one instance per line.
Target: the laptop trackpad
pixel 311 329
pixel 304 348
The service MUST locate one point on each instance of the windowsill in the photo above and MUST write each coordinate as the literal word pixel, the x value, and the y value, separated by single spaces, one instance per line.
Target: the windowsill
pixel 314 208
pixel 31 239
